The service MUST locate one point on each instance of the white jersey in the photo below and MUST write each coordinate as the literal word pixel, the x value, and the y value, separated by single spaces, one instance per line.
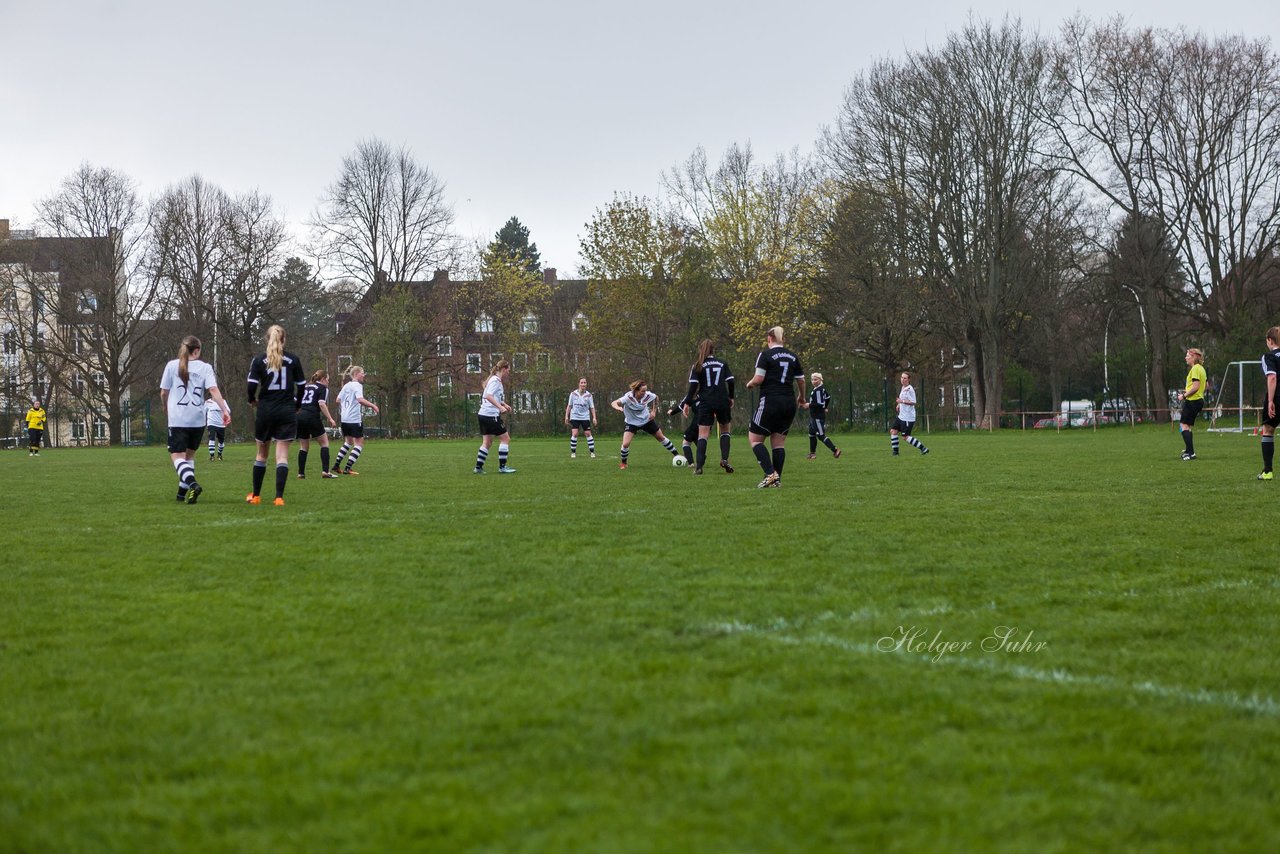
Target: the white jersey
pixel 349 401
pixel 213 414
pixel 636 412
pixel 186 402
pixel 492 388
pixel 580 405
pixel 907 411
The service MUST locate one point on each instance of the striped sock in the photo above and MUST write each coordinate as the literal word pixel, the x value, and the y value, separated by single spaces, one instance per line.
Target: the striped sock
pixel 893 440
pixel 481 456
pixel 212 446
pixel 591 443
pixel 573 444
pixel 625 452
pixel 186 474
pixel 670 446
pixel 353 456
pixel 346 449
pixel 504 451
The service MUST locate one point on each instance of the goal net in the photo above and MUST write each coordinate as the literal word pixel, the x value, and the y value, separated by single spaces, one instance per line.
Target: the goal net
pixel 1234 408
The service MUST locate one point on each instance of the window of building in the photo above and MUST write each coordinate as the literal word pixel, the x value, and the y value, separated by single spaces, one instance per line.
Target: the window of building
pixel 484 323
pixel 10 301
pixel 77 429
pixel 77 384
pixel 494 359
pixel 87 302
pixel 99 380
pixel 580 322
pixel 415 363
pixel 99 429
pixel 416 405
pixel 473 363
pixel 520 362
pixel 344 362
pixel 444 345
pixel 544 361
pixel 961 393
pixel 529 324
pixel 10 342
pixel 445 382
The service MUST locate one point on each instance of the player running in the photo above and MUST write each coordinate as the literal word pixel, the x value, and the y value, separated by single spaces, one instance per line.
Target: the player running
pixel 350 400
pixel 711 381
pixel 183 386
pixel 492 405
pixel 776 369
pixel 639 408
pixel 819 400
pixel 906 417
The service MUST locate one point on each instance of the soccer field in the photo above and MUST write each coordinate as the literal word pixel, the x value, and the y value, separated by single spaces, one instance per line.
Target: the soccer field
pixel 1023 641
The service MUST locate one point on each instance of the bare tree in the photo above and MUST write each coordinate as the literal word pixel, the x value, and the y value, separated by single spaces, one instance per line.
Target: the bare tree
pixel 386 213
pixel 103 302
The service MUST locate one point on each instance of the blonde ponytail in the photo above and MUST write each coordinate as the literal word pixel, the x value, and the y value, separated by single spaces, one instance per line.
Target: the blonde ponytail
pixel 189 345
pixel 275 347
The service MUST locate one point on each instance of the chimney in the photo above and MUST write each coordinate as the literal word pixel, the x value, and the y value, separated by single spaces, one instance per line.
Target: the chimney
pixel 4 229
pixel 549 275
pixel 441 276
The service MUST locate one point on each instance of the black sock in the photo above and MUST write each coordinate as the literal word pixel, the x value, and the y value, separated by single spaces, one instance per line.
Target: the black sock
pixel 259 474
pixel 1268 451
pixel 813 443
pixel 1186 440
pixel 830 444
pixel 762 454
pixel 779 459
pixel 324 458
pixel 702 452
pixel 724 446
pixel 302 462
pixel 282 477
pixel 688 451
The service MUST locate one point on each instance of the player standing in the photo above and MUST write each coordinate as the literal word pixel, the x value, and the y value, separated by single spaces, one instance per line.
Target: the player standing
pixel 275 385
pixel 492 405
pixel 580 414
pixel 1192 398
pixel 183 386
pixel 35 427
pixel 217 427
pixel 350 400
pixel 639 408
pixel 819 400
pixel 313 405
pixel 776 369
pixel 905 420
pixel 711 380
pixel 1270 367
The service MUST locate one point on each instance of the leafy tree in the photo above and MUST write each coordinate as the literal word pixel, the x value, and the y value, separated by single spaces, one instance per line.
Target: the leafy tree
pixel 390 346
pixel 514 239
pixel 509 292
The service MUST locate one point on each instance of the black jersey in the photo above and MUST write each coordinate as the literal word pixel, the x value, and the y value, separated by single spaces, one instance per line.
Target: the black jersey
pixel 313 394
pixel 712 382
pixel 1271 365
pixel 819 400
pixel 780 367
pixel 276 388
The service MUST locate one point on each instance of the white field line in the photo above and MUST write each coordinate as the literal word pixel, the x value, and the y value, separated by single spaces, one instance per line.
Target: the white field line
pixel 1258 704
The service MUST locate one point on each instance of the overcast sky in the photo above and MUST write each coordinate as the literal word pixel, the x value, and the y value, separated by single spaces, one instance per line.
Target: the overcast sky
pixel 536 110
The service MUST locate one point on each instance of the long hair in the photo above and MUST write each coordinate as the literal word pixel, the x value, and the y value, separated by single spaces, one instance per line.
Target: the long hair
pixel 775 333
pixel 275 346
pixel 189 345
pixel 706 348
pixel 502 363
pixel 1198 353
pixel 1273 334
pixel 321 374
pixel 635 385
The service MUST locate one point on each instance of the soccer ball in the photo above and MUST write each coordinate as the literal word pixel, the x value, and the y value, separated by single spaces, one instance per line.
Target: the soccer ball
pixel 679 461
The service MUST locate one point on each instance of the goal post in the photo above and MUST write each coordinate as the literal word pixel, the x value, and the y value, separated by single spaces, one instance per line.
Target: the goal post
pixel 1234 399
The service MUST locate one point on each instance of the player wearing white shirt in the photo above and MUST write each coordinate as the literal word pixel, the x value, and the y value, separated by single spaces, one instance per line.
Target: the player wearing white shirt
pixel 350 400
pixel 492 406
pixel 183 387
pixel 906 418
pixel 639 410
pixel 217 427
pixel 580 414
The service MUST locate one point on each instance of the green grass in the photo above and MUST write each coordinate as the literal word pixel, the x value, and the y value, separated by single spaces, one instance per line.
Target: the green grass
pixel 576 658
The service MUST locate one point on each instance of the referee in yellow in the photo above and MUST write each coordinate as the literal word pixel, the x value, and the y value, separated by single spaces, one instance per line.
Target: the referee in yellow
pixel 35 427
pixel 1192 398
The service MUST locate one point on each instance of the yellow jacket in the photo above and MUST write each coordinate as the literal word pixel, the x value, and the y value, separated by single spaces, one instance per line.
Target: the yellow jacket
pixel 35 419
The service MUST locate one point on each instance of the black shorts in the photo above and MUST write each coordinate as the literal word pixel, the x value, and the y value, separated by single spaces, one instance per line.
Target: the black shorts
pixel 818 427
pixel 1190 409
pixel 217 433
pixel 309 426
pixel 34 435
pixel 903 427
pixel 352 430
pixel 691 432
pixel 491 425
pixel 183 439
pixel 1272 422
pixel 580 423
pixel 773 415
pixel 279 423
pixel 714 413
pixel 650 427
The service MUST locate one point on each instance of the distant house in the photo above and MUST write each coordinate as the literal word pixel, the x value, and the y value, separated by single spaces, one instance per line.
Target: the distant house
pixel 50 327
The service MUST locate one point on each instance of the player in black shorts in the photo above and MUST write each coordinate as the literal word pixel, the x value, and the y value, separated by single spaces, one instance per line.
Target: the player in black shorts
pixel 687 408
pixel 276 382
pixel 1270 368
pixel 711 381
pixel 776 369
pixel 312 407
pixel 819 400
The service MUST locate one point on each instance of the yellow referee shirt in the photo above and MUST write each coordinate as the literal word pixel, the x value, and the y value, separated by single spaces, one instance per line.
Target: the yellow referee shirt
pixel 35 419
pixel 1196 373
